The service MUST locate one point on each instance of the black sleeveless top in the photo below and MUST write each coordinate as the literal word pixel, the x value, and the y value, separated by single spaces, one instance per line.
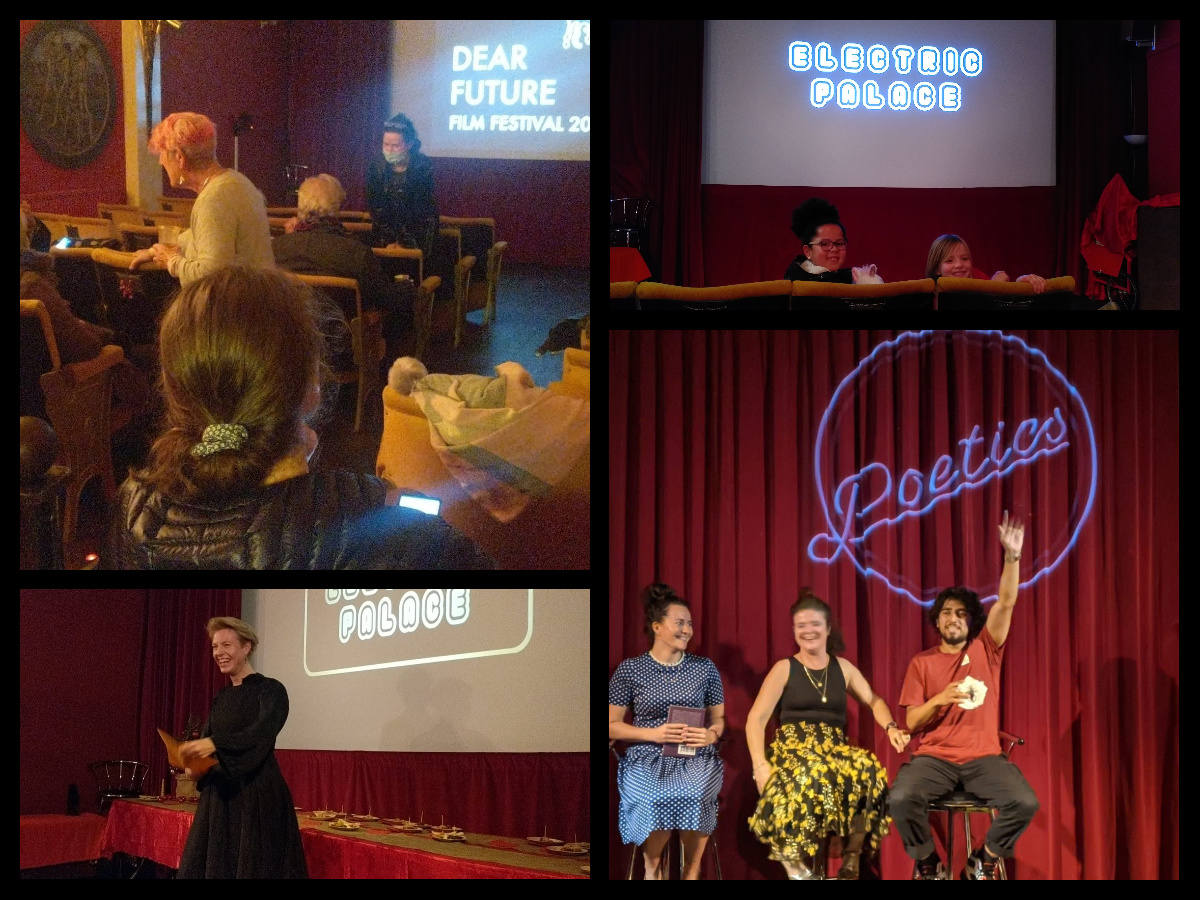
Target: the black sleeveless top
pixel 800 701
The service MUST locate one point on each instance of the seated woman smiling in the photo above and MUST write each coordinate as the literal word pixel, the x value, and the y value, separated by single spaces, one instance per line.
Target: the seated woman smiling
pixel 820 230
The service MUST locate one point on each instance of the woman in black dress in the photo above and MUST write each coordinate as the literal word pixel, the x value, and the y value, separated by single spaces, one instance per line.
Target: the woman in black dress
pixel 245 825
pixel 400 189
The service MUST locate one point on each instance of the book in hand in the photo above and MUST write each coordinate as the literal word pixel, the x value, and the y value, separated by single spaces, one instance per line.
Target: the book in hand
pixel 198 764
pixel 686 715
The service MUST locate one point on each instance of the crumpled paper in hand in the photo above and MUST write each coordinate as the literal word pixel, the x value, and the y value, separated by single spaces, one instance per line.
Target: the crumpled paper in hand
pixel 976 690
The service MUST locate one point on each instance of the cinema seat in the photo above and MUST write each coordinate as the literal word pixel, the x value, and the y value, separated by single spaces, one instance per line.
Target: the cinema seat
pixel 754 295
pixel 976 293
pixel 894 295
pixel 621 294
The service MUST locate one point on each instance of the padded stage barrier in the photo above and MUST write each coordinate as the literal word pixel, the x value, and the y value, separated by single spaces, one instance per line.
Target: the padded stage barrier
pixel 975 293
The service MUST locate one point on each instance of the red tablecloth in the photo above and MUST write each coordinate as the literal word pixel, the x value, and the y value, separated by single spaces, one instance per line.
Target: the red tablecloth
pixel 160 831
pixel 51 840
pixel 626 264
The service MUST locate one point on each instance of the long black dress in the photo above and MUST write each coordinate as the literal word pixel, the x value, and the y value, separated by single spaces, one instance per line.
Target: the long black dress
pixel 245 825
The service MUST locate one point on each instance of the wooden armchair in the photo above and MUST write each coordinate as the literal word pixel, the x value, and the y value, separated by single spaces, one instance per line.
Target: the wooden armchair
pixel 366 335
pixel 77 401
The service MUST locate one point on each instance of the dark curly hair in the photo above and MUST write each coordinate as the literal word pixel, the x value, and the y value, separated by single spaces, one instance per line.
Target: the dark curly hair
pixel 811 215
pixel 809 600
pixel 970 600
pixel 656 598
pixel 403 126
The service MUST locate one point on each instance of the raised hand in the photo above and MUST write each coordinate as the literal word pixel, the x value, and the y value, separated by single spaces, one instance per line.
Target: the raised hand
pixel 1012 535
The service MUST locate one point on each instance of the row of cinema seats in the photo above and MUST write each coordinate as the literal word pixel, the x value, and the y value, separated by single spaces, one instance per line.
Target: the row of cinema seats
pixel 924 293
pixel 464 255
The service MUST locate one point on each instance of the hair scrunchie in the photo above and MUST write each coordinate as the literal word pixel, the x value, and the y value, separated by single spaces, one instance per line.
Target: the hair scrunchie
pixel 221 437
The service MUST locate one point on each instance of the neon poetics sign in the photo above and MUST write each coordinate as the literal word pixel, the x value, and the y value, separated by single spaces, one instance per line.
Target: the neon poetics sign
pixel 877 59
pixel 1028 433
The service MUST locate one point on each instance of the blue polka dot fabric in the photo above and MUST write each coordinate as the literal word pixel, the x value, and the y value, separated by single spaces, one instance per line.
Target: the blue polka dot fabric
pixel 662 792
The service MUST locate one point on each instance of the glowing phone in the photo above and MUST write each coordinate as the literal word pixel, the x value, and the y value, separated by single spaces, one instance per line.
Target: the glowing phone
pixel 429 505
pixel 63 243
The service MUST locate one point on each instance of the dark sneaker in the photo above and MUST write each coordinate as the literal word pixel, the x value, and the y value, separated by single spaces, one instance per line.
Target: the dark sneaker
pixel 929 869
pixel 981 866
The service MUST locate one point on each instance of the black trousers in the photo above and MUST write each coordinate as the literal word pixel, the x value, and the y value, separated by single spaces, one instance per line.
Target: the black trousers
pixel 993 779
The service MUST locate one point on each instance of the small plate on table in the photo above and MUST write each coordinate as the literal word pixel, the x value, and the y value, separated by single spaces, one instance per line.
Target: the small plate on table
pixel 344 825
pixel 544 841
pixel 449 836
pixel 571 850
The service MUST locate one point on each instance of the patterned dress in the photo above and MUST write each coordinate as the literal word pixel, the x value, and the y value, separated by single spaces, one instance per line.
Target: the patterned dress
pixel 820 781
pixel 663 792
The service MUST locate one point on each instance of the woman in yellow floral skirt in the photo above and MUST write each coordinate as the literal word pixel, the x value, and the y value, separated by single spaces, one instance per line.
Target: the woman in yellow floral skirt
pixel 814 783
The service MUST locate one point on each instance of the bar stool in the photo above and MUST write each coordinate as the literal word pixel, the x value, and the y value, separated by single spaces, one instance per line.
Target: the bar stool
pixel 961 801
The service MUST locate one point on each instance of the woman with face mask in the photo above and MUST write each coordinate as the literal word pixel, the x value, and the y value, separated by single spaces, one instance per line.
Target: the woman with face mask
pixel 400 189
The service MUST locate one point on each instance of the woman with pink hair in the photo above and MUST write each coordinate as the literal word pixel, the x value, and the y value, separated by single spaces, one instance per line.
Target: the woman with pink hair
pixel 229 217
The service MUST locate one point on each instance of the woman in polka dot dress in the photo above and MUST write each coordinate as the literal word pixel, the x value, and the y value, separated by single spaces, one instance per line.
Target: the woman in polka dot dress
pixel 660 793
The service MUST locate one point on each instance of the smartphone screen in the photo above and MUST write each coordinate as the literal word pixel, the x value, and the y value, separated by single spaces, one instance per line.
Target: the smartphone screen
pixel 63 243
pixel 427 505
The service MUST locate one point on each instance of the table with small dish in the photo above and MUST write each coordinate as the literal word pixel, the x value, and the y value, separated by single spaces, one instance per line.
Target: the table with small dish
pixel 535 857
pixel 342 845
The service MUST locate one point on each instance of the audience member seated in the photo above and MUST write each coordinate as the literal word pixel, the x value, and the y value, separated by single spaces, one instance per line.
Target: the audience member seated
pixel 318 244
pixel 228 483
pixel 229 218
pixel 400 190
pixel 77 340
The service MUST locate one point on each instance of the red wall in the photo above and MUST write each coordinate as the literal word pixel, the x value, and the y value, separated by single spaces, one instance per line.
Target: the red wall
pixel 1162 120
pixel 80 661
pixel 77 191
pixel 222 69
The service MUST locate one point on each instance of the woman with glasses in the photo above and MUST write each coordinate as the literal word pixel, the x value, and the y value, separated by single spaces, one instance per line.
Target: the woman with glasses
pixel 820 230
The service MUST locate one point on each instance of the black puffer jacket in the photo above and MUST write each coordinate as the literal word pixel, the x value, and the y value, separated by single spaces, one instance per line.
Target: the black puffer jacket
pixel 322 520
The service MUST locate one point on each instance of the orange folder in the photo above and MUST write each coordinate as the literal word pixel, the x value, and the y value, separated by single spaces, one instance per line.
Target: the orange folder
pixel 198 764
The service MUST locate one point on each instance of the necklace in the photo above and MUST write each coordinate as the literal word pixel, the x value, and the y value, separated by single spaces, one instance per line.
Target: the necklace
pixel 661 663
pixel 824 681
pixel 210 175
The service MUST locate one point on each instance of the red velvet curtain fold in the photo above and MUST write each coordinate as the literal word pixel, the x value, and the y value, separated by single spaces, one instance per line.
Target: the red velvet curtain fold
pixel 514 794
pixel 178 677
pixel 714 490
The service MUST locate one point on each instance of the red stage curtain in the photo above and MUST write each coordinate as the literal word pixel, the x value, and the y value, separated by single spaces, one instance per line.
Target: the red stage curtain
pixel 656 108
pixel 713 491
pixel 179 678
pixel 517 794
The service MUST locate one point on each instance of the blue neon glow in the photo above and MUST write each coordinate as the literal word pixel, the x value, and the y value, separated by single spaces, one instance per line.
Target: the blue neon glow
pixel 916 493
pixel 900 95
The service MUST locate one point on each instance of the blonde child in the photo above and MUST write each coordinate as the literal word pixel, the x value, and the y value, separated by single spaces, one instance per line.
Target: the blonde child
pixel 951 257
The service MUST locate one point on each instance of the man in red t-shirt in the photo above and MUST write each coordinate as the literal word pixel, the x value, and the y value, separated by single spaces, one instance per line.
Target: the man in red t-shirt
pixel 952 695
